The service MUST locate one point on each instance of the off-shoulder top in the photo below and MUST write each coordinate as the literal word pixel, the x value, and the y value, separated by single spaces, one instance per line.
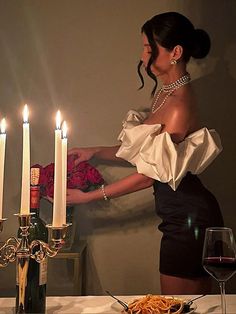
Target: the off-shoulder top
pixel 157 156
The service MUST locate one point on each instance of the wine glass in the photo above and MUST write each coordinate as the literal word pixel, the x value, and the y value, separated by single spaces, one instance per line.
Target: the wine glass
pixel 219 257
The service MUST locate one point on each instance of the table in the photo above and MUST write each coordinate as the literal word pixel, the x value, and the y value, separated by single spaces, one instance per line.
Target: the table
pixel 210 304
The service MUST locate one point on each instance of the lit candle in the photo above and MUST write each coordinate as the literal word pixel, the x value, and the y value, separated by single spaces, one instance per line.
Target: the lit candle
pixel 2 160
pixel 25 186
pixel 57 200
pixel 64 170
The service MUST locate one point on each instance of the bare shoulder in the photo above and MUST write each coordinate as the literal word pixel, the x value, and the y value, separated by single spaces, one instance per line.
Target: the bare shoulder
pixel 181 116
pixel 183 101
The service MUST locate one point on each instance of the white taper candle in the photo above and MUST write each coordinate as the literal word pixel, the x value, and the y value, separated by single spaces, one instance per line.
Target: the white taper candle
pixel 57 200
pixel 25 185
pixel 64 170
pixel 2 160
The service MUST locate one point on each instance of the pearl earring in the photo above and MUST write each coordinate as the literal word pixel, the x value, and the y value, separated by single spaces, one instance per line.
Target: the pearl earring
pixel 173 62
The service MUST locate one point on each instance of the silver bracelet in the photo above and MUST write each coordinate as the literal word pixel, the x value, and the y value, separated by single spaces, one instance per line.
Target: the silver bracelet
pixel 104 193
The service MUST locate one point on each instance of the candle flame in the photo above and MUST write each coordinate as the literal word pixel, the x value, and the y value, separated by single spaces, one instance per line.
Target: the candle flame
pixel 3 126
pixel 25 114
pixel 64 130
pixel 58 120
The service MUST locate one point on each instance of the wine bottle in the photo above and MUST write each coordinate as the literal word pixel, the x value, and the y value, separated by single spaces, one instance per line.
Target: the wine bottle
pixel 35 294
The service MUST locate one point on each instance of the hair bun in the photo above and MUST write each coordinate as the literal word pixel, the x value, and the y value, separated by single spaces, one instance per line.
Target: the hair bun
pixel 201 44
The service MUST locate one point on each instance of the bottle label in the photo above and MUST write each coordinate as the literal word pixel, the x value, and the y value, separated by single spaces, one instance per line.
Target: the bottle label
pixel 34 196
pixel 43 269
pixel 20 272
pixel 17 274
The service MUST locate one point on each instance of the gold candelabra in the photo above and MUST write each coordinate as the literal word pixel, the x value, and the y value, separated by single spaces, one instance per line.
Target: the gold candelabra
pixel 21 250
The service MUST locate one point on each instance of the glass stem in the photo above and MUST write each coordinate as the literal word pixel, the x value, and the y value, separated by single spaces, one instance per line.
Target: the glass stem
pixel 222 293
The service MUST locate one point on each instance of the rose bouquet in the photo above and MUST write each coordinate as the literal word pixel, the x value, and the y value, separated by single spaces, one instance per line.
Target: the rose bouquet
pixel 82 176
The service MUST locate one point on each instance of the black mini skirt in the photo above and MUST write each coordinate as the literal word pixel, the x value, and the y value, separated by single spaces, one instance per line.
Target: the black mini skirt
pixel 185 214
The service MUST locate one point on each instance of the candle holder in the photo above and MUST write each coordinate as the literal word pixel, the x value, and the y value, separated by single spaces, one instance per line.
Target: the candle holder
pixel 21 250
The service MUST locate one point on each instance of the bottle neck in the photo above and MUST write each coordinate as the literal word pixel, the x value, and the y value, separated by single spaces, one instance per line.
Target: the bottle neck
pixel 34 199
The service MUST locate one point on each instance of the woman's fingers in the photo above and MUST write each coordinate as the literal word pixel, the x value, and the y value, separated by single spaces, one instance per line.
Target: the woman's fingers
pixel 71 196
pixel 77 155
pixel 73 150
pixel 75 196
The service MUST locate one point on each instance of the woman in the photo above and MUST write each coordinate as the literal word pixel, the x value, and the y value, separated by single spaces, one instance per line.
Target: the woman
pixel 168 148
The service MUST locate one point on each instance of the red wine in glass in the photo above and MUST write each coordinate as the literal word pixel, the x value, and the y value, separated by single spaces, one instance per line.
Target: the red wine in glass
pixel 221 268
pixel 219 257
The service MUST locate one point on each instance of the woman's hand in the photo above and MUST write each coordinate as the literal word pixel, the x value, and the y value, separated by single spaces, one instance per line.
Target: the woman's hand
pixel 75 196
pixel 82 154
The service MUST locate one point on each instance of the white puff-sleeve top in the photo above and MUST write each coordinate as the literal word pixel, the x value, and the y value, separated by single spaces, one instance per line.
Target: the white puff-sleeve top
pixel 157 156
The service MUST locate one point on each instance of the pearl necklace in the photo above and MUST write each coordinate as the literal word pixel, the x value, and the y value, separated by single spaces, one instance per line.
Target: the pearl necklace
pixel 169 89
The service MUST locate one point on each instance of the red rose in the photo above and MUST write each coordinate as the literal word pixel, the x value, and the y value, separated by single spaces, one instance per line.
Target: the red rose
pixel 77 180
pixel 93 176
pixel 70 163
pixel 83 166
pixel 82 176
pixel 50 190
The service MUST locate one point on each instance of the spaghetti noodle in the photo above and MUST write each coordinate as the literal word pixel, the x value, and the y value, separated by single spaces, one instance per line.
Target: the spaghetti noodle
pixel 155 304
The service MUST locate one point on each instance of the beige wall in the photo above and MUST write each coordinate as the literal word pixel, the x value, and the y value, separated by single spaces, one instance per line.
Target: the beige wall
pixel 81 56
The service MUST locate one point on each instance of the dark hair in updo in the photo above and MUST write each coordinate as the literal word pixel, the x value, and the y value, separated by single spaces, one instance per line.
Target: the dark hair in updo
pixel 169 30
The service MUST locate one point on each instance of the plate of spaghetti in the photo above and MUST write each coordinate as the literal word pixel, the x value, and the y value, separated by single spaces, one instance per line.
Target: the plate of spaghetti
pixel 156 304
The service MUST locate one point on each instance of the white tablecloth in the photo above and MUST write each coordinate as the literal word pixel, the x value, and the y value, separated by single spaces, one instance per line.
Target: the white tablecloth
pixel 209 304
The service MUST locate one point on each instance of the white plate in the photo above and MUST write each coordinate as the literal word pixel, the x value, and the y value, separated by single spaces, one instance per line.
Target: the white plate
pixel 118 308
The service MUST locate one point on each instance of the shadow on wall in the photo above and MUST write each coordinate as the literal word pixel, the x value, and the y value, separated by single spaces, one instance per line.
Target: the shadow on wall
pixel 92 222
pixel 104 218
pixel 217 104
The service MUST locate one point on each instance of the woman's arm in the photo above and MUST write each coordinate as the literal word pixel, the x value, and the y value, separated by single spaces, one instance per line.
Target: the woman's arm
pixel 107 153
pixel 129 184
pixel 100 152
